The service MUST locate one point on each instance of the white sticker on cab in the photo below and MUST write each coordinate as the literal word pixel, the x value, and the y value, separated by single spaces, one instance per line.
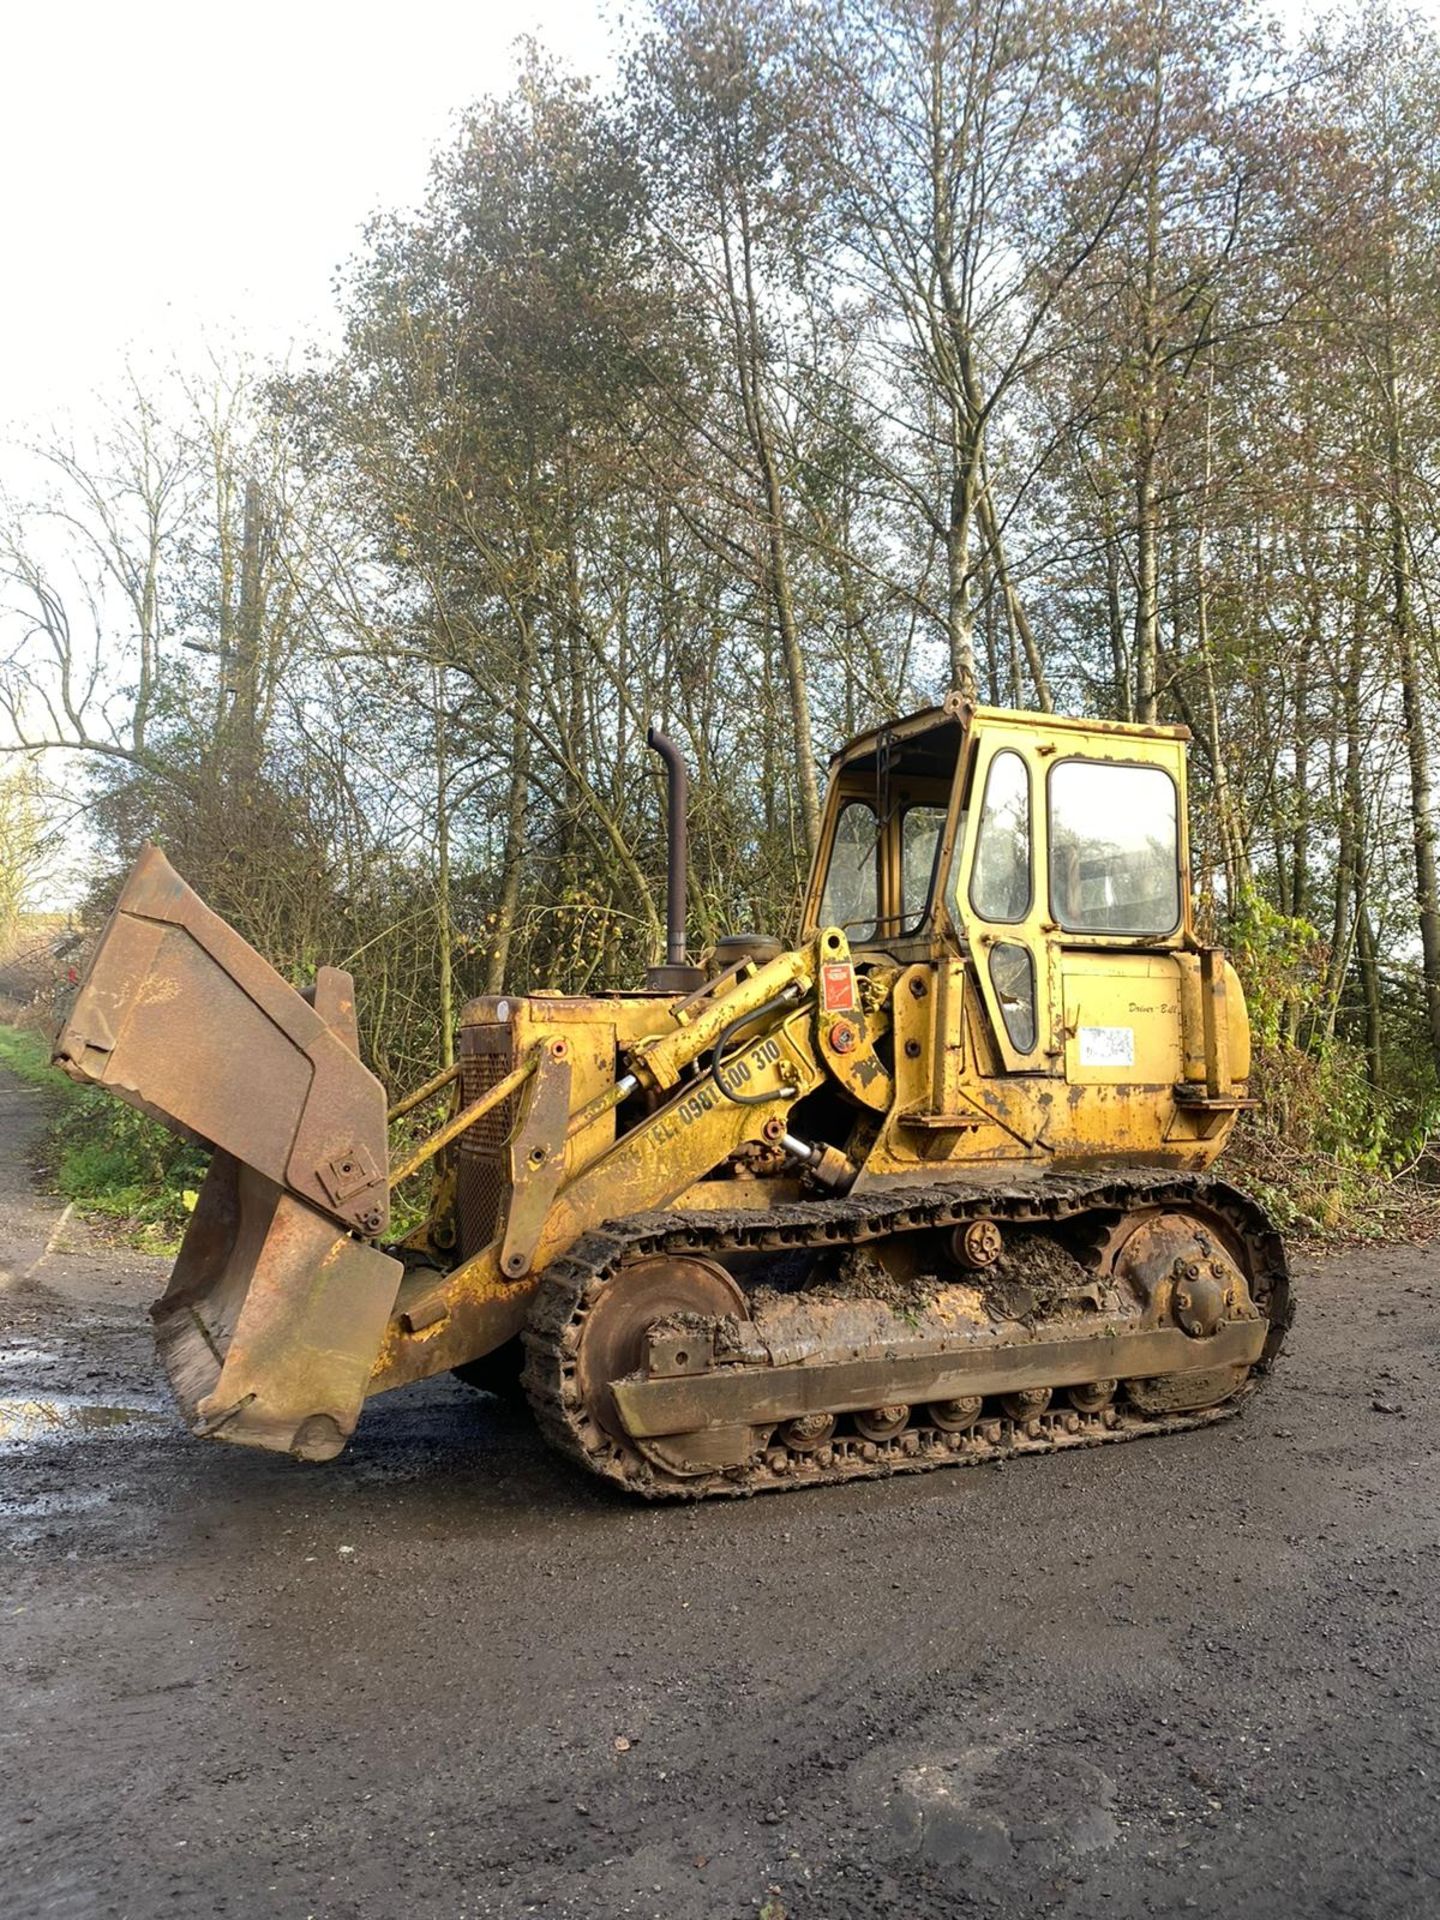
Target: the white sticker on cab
pixel 1107 1046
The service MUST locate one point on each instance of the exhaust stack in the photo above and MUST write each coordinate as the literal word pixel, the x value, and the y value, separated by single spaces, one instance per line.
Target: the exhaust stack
pixel 675 976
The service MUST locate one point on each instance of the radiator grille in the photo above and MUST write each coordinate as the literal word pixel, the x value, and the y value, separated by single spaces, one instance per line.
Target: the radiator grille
pixel 487 1054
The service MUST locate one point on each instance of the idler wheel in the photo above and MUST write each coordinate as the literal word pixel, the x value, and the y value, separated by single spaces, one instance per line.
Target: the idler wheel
pixel 1181 1264
pixel 955 1416
pixel 612 1336
pixel 807 1431
pixel 1026 1404
pixel 1093 1398
pixel 881 1423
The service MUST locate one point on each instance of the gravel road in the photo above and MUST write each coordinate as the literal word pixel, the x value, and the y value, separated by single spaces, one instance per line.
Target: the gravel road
pixel 444 1676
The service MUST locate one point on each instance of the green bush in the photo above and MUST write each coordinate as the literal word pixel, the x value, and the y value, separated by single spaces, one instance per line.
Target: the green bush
pixel 110 1160
pixel 1324 1150
pixel 28 1058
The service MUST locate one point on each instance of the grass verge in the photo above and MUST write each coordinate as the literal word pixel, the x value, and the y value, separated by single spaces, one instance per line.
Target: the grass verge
pixel 118 1166
pixel 28 1058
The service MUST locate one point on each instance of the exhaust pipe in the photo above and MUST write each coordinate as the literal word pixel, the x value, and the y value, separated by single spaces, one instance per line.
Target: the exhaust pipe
pixel 674 976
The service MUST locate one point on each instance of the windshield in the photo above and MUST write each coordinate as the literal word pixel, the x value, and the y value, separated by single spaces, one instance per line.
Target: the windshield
pixel 857 896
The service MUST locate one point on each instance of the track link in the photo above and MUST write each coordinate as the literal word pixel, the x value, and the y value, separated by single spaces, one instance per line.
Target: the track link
pixel 572 1284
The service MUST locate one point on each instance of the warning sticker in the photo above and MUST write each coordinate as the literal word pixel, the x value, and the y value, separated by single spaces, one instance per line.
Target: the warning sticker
pixel 837 986
pixel 1107 1046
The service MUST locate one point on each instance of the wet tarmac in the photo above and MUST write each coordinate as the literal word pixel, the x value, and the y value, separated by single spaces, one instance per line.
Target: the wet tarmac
pixel 444 1676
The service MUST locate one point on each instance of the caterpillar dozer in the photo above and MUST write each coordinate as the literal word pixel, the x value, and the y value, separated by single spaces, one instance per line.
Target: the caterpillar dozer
pixel 927 1187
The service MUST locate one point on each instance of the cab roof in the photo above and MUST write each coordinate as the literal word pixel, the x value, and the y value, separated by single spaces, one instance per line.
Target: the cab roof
pixel 956 714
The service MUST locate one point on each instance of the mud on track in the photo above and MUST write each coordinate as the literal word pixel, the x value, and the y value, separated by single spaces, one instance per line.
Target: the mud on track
pixel 445 1676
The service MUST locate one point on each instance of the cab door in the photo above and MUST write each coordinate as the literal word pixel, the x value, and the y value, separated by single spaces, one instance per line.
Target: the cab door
pixel 997 895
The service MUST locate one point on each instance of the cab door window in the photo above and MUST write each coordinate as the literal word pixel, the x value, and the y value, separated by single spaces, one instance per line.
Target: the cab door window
pixel 1000 889
pixel 852 881
pixel 1012 974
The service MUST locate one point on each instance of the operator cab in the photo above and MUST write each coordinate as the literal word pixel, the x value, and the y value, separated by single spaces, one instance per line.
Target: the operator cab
pixel 1007 838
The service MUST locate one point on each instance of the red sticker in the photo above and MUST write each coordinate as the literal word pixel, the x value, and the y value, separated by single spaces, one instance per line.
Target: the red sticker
pixel 837 986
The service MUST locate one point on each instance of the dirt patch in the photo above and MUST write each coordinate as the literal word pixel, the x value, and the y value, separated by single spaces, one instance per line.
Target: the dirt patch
pixel 862 1275
pixel 1035 1279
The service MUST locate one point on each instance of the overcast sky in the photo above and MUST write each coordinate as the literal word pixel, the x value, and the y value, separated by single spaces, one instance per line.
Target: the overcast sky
pixel 171 169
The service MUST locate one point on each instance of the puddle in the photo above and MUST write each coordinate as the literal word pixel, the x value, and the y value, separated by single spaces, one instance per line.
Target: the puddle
pixel 975 1814
pixel 26 1422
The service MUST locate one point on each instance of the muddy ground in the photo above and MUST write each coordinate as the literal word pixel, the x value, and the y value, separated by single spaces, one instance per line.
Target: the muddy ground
pixel 444 1676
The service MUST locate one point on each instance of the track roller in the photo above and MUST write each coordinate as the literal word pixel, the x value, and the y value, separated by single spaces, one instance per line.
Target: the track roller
pixel 808 1432
pixel 1028 1404
pixel 1093 1398
pixel 881 1423
pixel 955 1416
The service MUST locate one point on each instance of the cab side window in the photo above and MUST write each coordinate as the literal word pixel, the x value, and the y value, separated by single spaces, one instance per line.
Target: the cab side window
pixel 1114 848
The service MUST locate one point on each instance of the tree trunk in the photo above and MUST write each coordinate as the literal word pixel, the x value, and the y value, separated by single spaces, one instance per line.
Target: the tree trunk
pixel 1300 836
pixel 517 797
pixel 1119 652
pixel 1015 615
pixel 1370 988
pixel 959 612
pixel 1147 532
pixel 792 656
pixel 1351 855
pixel 444 932
pixel 749 357
pixel 245 703
pixel 1147 604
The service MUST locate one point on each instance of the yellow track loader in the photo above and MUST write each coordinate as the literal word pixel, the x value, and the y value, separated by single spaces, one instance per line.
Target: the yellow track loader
pixel 926 1187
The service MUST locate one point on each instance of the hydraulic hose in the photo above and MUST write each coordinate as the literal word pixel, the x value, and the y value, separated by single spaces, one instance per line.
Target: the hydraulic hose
pixel 786 997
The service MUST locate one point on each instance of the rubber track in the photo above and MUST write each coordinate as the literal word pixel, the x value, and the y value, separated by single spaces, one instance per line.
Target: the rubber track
pixel 571 1283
